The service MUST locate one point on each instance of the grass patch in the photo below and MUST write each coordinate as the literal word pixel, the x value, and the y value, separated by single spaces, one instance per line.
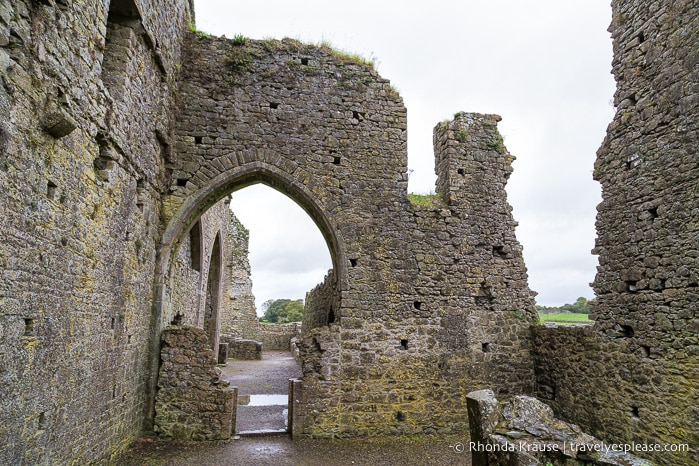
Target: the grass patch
pixel 240 39
pixel 568 318
pixel 239 59
pixel 427 200
pixel 347 56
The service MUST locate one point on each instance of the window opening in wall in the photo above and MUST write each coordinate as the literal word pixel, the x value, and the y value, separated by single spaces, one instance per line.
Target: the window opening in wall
pixel 404 343
pixel 499 251
pixel 212 304
pixel 195 240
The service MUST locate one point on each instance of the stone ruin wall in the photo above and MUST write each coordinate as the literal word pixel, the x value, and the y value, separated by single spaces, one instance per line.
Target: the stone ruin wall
pixel 192 273
pixel 632 377
pixel 432 301
pixel 83 163
pixel 193 402
pixel 238 314
pixel 100 186
pixel 321 304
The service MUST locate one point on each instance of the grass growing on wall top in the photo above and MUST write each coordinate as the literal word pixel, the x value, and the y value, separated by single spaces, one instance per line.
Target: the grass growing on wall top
pixel 347 56
pixel 427 200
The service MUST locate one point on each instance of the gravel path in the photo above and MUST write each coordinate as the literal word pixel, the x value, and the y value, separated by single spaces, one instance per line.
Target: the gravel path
pixel 266 377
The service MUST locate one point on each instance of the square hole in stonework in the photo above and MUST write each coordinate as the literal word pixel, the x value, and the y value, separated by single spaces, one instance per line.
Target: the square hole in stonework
pixel 51 190
pixel 181 182
pixel 304 61
pixel 353 262
pixel 28 327
pixel 404 343
pixel 485 346
pixel 198 139
pixel 635 412
pixel 653 213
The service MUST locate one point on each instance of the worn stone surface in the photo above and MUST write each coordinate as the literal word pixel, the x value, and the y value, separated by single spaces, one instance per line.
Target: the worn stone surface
pixel 80 222
pixel 524 432
pixel 320 308
pixel 238 314
pixel 418 288
pixel 244 349
pixel 191 293
pixel 193 402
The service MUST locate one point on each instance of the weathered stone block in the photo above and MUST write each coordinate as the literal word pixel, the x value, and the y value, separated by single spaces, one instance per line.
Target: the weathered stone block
pixel 58 123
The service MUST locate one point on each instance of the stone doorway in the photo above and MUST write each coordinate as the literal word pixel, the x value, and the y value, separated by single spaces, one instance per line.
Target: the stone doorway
pixel 263 392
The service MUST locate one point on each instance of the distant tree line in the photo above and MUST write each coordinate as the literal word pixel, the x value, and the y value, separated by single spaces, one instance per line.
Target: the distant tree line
pixel 580 306
pixel 282 311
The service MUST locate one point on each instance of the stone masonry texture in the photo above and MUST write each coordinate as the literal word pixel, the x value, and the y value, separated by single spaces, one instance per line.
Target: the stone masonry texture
pixel 193 402
pixel 120 128
pixel 633 377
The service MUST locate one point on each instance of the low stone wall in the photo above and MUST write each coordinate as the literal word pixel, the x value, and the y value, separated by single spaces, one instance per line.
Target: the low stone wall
pixel 322 304
pixel 245 349
pixel 624 390
pixel 192 402
pixel 277 336
pixel 523 431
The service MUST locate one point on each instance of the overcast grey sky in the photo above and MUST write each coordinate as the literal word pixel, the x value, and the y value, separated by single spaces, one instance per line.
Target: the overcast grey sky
pixel 543 65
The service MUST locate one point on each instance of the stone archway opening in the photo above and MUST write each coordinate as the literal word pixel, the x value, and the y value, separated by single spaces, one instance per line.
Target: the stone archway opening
pixel 279 256
pixel 206 253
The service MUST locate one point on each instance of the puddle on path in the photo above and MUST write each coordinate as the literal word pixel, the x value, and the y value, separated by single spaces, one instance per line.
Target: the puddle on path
pixel 263 400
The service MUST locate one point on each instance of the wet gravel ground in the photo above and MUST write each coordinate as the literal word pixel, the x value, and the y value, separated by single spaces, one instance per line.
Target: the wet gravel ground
pixel 281 450
pixel 269 376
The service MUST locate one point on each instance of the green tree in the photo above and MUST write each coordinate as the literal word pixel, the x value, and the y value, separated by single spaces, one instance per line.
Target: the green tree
pixel 580 306
pixel 282 311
